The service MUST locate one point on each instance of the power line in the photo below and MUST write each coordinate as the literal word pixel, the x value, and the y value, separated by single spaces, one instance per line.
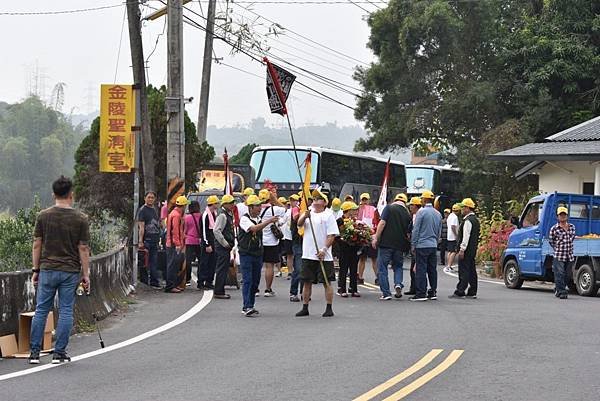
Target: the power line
pixel 80 10
pixel 359 6
pixel 120 42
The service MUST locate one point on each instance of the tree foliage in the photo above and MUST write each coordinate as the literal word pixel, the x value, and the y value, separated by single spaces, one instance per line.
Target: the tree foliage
pixel 243 156
pixel 457 74
pixel 109 191
pixel 36 146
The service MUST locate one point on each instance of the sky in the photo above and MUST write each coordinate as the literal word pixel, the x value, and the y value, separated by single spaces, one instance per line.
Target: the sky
pixel 86 49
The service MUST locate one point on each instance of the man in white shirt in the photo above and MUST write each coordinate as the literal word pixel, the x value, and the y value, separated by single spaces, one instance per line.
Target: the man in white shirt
pixel 317 258
pixel 241 207
pixel 452 224
pixel 271 247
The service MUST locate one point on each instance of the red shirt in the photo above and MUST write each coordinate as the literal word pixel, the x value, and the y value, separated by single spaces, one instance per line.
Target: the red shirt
pixel 175 229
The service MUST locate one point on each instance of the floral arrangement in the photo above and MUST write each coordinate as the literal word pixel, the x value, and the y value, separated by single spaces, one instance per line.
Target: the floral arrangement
pixel 268 184
pixel 355 233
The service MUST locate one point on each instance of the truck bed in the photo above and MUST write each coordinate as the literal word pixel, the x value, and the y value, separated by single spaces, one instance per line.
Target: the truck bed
pixel 581 247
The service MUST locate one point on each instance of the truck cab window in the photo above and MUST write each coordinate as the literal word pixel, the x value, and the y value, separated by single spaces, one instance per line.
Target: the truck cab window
pixel 531 217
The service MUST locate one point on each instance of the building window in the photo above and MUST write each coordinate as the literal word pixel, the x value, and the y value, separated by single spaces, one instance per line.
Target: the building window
pixel 588 188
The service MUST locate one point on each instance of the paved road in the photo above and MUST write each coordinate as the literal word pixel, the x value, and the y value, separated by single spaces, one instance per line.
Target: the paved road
pixel 518 345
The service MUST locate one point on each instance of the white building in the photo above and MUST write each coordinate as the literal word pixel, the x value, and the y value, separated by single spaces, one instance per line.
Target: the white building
pixel 568 161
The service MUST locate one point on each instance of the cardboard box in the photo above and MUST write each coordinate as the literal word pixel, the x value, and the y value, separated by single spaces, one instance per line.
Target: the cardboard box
pixel 8 346
pixel 25 320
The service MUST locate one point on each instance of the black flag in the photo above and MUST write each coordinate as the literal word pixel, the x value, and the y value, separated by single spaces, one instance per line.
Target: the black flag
pixel 278 89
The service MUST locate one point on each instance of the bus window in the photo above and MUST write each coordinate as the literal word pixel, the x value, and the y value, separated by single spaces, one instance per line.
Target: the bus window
pixel 450 182
pixel 338 170
pixel 419 179
pixel 279 165
pixel 397 176
pixel 372 171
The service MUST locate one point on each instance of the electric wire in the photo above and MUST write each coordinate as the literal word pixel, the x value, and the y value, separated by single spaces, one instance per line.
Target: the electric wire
pixel 120 42
pixel 75 11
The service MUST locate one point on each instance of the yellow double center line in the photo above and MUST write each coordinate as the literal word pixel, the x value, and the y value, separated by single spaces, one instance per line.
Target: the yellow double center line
pixel 417 383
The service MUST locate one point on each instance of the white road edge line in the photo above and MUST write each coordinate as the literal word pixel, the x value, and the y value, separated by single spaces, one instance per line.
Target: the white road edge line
pixel 206 298
pixel 455 275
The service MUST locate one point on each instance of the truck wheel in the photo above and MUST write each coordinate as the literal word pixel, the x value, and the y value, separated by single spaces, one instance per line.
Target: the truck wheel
pixel 512 275
pixel 586 281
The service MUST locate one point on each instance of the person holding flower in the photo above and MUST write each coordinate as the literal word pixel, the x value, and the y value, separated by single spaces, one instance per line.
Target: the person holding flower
pixel 349 245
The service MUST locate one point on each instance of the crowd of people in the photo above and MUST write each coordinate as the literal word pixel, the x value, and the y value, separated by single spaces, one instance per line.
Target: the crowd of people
pixel 265 232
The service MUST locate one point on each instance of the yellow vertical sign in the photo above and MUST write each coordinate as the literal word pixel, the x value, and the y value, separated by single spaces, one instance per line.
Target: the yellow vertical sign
pixel 117 140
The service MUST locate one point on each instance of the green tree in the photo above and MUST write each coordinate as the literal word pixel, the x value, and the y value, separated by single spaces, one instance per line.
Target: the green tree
pixel 113 192
pixel 243 156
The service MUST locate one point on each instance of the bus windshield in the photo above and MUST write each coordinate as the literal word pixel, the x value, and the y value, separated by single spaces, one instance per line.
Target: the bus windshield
pixel 279 165
pixel 420 179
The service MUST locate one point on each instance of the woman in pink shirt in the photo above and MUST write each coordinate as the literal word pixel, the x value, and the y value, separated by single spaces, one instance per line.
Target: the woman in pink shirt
pixel 193 228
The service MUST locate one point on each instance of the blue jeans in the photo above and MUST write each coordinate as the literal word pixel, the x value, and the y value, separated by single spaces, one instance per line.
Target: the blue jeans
pixel 152 248
pixel 559 268
pixel 426 269
pixel 297 250
pixel 50 282
pixel 384 257
pixel 251 267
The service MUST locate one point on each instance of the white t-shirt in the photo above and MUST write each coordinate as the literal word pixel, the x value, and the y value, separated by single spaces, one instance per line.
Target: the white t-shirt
pixel 284 224
pixel 245 222
pixel 324 224
pixel 337 214
pixel 268 237
pixel 452 220
pixel 242 209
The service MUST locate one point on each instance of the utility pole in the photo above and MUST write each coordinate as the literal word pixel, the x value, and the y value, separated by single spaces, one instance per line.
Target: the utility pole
pixel 139 78
pixel 174 100
pixel 206 70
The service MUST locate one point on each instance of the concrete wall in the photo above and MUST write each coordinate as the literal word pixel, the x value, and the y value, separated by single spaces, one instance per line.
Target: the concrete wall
pixel 110 274
pixel 565 176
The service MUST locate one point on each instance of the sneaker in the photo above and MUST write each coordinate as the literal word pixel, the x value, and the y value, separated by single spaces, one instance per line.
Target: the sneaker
pixel 355 295
pixel 156 286
pixel 269 293
pixel 222 296
pixel 278 274
pixel 385 298
pixel 563 296
pixel 447 269
pixel 398 293
pixel 188 283
pixel 60 358
pixel 456 296
pixel 257 294
pixel 294 298
pixel 244 310
pixel 251 312
pixel 471 296
pixel 342 293
pixel 34 358
pixel 410 292
pixel 418 298
pixel 432 296
pixel 289 276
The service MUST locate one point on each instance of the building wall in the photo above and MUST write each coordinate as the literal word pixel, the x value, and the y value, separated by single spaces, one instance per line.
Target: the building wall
pixel 553 178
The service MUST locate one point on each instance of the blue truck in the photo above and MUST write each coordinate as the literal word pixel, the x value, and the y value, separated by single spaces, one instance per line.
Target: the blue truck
pixel 528 255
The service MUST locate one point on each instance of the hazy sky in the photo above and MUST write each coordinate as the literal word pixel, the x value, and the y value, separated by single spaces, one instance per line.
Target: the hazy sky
pixel 81 50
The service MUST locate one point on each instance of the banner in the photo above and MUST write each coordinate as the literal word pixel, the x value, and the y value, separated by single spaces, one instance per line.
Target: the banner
pixel 117 141
pixel 382 202
pixel 279 84
pixel 305 189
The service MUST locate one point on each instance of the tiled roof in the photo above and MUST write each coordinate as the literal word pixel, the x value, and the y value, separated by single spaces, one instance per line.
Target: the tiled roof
pixel 586 131
pixel 572 150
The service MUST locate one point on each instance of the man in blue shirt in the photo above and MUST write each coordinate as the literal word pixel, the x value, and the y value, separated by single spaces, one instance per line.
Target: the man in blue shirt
pixel 425 236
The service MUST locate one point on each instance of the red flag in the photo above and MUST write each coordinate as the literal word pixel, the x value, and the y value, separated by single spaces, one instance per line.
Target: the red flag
pixel 228 190
pixel 279 84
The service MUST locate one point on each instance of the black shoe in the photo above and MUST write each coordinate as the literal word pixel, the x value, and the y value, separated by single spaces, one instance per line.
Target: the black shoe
pixel 209 286
pixel 398 293
pixel 251 312
pixel 303 312
pixel 222 296
pixel 410 292
pixel 418 298
pixel 34 358
pixel 432 296
pixel 563 296
pixel 456 296
pixel 473 296
pixel 328 312
pixel 60 358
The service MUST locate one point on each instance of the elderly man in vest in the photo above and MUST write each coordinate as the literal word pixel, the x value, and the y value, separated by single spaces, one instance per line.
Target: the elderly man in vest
pixel 224 241
pixel 468 239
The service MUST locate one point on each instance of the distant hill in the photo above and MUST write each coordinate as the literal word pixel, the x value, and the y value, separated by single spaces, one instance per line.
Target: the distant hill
pixel 329 135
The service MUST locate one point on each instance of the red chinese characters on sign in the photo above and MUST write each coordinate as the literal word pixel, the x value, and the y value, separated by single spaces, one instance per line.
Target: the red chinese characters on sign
pixel 116 142
pixel 116 124
pixel 116 108
pixel 117 115
pixel 117 161
pixel 117 92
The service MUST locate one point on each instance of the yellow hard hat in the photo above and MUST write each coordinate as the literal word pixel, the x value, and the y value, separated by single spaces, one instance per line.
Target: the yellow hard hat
pixel 336 203
pixel 213 199
pixel 401 197
pixel 282 200
pixel 295 197
pixel 468 202
pixel 365 195
pixel 348 205
pixel 349 198
pixel 456 207
pixel 446 210
pixel 316 193
pixel 562 209
pixel 427 195
pixel 264 195
pixel 415 200
pixel 253 200
pixel 181 201
pixel 227 199
pixel 248 191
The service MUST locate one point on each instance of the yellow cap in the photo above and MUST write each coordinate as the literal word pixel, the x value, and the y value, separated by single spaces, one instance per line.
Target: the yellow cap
pixel 316 193
pixel 295 197
pixel 401 197
pixel 446 210
pixel 456 207
pixel 227 199
pixel 562 209
pixel 213 199
pixel 365 195
pixel 264 195
pixel 253 200
pixel 336 203
pixel 282 200
pixel 427 195
pixel 248 191
pixel 468 202
pixel 349 198
pixel 415 200
pixel 181 201
pixel 348 205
